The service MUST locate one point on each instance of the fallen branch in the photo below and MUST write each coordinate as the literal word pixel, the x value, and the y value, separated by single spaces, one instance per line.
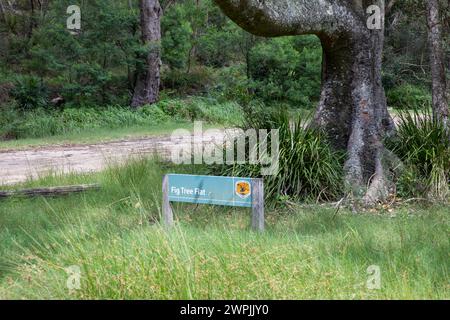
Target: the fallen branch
pixel 51 191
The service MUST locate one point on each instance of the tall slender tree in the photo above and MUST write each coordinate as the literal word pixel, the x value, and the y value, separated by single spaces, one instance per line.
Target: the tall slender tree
pixel 146 90
pixel 437 64
pixel 352 108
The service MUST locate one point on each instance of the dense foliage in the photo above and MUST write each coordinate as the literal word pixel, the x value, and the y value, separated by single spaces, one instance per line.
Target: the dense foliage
pixel 97 66
pixel 43 65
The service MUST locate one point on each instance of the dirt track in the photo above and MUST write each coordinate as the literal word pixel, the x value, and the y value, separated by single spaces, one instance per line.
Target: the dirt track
pixel 18 166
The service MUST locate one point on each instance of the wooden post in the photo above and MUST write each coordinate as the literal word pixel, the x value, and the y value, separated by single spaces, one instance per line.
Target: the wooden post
pixel 258 205
pixel 166 208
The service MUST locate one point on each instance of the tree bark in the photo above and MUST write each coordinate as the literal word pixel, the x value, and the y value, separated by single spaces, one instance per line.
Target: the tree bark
pixel 2 12
pixel 146 90
pixel 352 108
pixel 437 64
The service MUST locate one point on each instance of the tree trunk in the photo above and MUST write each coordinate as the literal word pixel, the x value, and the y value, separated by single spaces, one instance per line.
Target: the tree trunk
pixel 352 108
pixel 2 12
pixel 32 23
pixel 439 81
pixel 146 90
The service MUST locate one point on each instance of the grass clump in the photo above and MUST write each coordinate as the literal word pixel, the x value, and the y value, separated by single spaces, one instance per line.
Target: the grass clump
pixel 206 109
pixel 423 145
pixel 309 169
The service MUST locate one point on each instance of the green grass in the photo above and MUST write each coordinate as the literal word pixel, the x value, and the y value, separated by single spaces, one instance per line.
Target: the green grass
pixel 19 128
pixel 423 146
pixel 114 236
pixel 408 96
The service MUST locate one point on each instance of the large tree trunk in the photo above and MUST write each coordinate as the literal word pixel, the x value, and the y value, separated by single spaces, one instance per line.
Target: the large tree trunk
pixel 440 99
pixel 352 109
pixel 146 90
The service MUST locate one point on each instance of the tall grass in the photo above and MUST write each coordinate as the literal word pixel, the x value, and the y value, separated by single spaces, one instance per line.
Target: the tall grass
pixel 423 144
pixel 114 237
pixel 17 124
pixel 44 123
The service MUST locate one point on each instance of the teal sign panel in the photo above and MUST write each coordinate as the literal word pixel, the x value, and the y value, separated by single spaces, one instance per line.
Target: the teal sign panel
pixel 225 191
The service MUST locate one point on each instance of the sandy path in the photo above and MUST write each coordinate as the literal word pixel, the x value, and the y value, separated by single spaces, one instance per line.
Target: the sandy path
pixel 18 166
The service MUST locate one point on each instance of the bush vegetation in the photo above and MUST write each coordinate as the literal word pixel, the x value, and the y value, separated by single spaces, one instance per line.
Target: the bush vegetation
pixel 409 97
pixel 423 145
pixel 309 168
pixel 97 67
pixel 17 123
pixel 201 49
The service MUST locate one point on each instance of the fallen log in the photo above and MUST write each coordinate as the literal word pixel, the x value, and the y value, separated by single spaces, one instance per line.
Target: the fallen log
pixel 50 191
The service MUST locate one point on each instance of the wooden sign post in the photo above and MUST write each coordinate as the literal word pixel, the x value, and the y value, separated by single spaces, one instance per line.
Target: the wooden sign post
pixel 258 204
pixel 226 191
pixel 166 208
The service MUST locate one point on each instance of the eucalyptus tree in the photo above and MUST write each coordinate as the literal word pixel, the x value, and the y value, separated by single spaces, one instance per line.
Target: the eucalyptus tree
pixel 437 64
pixel 148 80
pixel 352 109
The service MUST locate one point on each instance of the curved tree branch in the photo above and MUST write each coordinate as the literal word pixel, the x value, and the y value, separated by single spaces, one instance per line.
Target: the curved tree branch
pixel 271 18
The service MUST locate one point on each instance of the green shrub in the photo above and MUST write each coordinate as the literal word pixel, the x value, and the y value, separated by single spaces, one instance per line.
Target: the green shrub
pixel 287 69
pixel 409 97
pixel 205 109
pixel 155 112
pixel 232 85
pixel 424 146
pixel 213 111
pixel 5 91
pixel 174 108
pixel 30 93
pixel 309 169
pixel 176 40
pixel 197 81
pixel 9 119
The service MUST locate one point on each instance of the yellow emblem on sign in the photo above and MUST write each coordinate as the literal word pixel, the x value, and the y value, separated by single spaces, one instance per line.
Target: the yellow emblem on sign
pixel 243 189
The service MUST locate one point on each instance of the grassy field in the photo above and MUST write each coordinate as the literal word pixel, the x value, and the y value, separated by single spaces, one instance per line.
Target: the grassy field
pixel 113 235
